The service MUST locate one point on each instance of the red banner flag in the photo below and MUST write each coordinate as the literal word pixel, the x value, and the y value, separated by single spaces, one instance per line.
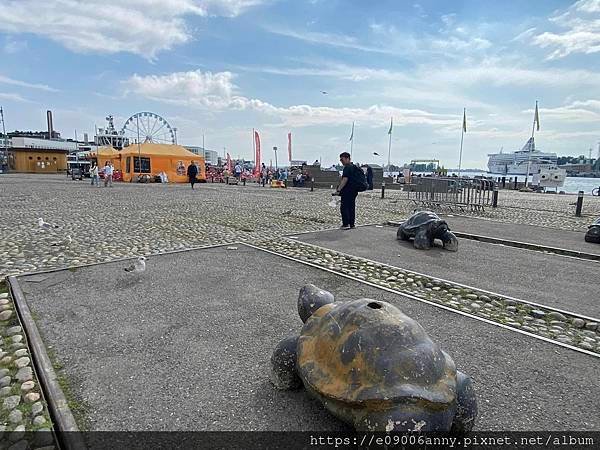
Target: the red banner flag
pixel 228 163
pixel 290 147
pixel 257 153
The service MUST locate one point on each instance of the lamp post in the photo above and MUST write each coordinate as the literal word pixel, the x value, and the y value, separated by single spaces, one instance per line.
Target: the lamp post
pixel 275 150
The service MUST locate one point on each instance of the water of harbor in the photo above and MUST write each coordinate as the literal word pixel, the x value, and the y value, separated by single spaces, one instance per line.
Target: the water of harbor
pixel 572 184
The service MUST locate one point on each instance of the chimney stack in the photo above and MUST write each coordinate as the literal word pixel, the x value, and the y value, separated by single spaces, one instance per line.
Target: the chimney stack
pixel 50 125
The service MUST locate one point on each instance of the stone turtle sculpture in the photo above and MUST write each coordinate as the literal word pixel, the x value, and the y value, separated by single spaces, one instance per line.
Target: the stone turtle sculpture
pixel 373 367
pixel 424 227
pixel 593 232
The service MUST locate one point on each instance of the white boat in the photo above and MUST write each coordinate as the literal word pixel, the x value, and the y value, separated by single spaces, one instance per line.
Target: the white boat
pixel 549 176
pixel 516 163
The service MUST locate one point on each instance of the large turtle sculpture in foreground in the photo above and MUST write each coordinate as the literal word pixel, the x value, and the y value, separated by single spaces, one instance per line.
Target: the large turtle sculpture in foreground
pixel 373 367
pixel 593 232
pixel 425 227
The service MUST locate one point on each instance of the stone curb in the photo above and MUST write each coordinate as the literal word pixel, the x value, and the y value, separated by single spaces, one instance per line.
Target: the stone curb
pixel 559 327
pixel 57 402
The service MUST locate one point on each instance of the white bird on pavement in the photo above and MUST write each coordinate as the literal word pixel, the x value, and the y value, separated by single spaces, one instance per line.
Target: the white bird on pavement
pixel 45 225
pixel 138 266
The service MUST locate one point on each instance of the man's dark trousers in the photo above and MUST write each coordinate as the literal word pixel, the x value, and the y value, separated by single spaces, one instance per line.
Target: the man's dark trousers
pixel 348 206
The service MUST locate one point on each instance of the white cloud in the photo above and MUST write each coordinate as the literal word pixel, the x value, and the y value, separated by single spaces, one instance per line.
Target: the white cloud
pixel 582 31
pixel 217 91
pixel 13 46
pixel 143 27
pixel 334 40
pixel 42 87
pixel 13 97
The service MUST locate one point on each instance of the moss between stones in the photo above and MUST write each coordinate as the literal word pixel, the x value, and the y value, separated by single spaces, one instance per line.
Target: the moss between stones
pixel 79 408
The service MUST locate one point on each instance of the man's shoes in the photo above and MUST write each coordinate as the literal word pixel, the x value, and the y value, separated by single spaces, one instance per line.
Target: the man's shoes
pixel 344 227
pixel 352 227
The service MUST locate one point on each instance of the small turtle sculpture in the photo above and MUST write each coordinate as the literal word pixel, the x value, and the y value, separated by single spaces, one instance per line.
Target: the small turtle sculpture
pixel 593 232
pixel 373 367
pixel 425 227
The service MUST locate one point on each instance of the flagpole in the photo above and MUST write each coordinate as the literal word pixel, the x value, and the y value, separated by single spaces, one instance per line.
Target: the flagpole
pixel 256 168
pixel 462 136
pixel 390 144
pixel 351 139
pixel 530 147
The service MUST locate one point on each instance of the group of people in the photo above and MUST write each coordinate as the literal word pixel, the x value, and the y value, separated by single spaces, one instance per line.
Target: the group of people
pixel 355 179
pixel 107 172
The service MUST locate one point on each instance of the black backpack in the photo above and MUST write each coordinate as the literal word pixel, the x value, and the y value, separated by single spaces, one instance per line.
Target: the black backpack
pixel 359 180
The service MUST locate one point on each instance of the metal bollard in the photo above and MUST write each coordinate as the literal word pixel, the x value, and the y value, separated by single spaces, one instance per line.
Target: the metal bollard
pixel 579 204
pixel 515 186
pixel 227 181
pixel 243 181
pixel 495 197
pixel 503 182
pixel 312 184
pixel 382 189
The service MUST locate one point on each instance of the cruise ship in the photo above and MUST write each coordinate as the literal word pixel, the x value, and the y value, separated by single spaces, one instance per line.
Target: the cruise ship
pixel 516 163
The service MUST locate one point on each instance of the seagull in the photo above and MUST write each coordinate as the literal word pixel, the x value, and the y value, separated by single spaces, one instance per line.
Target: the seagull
pixel 45 225
pixel 324 92
pixel 138 266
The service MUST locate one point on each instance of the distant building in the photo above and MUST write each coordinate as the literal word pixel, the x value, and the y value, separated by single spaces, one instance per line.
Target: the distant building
pixel 210 156
pixel 33 155
pixel 574 169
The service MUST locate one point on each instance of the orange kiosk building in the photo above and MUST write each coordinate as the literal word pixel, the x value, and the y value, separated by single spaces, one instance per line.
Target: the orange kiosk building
pixel 152 159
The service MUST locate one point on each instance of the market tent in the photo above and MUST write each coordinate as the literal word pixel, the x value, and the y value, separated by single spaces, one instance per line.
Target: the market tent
pixel 173 160
pixel 103 154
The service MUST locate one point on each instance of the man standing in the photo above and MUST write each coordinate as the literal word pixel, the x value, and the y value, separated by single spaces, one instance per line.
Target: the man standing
pixel 192 171
pixel 348 190
pixel 238 170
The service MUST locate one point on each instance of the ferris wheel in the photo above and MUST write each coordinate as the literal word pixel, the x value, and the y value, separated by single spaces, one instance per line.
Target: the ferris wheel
pixel 148 127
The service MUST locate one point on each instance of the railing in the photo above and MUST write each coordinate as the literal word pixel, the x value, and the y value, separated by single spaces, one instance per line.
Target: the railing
pixel 452 193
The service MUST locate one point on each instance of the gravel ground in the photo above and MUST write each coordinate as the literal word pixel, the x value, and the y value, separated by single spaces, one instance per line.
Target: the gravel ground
pixel 186 346
pixel 562 282
pixel 549 237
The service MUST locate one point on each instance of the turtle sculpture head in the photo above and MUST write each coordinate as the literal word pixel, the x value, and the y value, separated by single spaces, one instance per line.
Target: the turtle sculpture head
pixel 424 227
pixel 593 232
pixel 373 367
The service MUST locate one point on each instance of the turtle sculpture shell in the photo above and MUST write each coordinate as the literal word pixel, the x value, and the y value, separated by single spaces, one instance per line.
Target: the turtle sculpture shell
pixel 421 218
pixel 368 350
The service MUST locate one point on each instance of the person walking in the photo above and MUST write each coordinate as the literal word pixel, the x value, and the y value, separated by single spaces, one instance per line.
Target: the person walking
pixel 94 175
pixel 369 175
pixel 238 170
pixel 192 172
pixel 264 174
pixel 353 182
pixel 108 174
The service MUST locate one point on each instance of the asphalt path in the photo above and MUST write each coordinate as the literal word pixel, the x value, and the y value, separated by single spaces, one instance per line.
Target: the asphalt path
pixel 549 237
pixel 562 282
pixel 186 346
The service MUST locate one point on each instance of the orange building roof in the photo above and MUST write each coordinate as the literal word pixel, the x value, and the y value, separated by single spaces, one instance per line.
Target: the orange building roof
pixel 158 150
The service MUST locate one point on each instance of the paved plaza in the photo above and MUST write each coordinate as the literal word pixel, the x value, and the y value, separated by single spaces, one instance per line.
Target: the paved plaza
pixel 105 224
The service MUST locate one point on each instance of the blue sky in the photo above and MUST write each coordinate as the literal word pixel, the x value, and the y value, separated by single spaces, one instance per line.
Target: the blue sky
pixel 223 67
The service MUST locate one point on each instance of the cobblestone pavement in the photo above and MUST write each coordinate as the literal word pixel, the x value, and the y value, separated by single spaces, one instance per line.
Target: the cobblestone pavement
pixel 131 219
